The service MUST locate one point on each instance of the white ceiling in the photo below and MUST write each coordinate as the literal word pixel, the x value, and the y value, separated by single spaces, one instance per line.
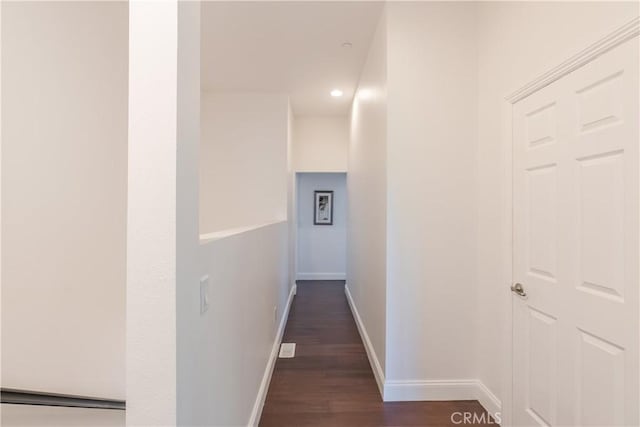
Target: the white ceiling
pixel 291 47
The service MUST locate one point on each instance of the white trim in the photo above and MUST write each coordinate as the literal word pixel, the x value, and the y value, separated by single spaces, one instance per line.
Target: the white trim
pixel 378 373
pixel 256 412
pixel 425 390
pixel 507 273
pixel 421 390
pixel 293 225
pixel 321 276
pixel 488 400
pixel 616 38
pixel 222 234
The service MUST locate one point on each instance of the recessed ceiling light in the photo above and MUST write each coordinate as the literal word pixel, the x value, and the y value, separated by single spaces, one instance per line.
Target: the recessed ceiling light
pixel 336 93
pixel 347 45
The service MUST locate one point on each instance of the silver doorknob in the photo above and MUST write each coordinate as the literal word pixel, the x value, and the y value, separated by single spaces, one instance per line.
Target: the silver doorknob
pixel 517 288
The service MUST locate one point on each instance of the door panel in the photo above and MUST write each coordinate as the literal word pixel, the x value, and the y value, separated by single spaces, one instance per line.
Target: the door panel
pixel 541 369
pixel 576 228
pixel 541 187
pixel 600 382
pixel 601 222
pixel 537 256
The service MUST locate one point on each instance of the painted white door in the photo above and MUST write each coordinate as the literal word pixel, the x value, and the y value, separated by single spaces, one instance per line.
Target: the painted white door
pixel 576 226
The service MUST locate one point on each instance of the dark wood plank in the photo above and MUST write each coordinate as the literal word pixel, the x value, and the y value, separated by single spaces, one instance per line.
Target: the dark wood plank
pixel 330 381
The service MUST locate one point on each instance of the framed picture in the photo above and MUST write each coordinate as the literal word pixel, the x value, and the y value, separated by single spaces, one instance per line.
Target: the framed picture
pixel 323 210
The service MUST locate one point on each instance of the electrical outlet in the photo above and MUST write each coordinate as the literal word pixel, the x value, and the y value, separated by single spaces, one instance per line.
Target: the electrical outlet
pixel 204 294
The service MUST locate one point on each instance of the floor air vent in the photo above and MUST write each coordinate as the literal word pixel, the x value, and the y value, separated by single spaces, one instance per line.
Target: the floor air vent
pixel 287 350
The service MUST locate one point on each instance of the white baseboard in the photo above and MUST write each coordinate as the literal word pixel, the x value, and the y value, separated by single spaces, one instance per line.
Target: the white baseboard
pixel 417 390
pixel 421 390
pixel 321 276
pixel 378 373
pixel 487 399
pixel 256 412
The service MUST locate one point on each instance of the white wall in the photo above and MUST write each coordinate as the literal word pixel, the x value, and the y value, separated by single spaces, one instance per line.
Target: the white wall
pixel 321 248
pixel 318 144
pixel 249 278
pixel 64 192
pixel 243 160
pixel 1 175
pixel 430 189
pixel 187 282
pixel 367 195
pixel 321 143
pixel 291 197
pixel 162 232
pixel 246 172
pixel 517 42
pixel 412 162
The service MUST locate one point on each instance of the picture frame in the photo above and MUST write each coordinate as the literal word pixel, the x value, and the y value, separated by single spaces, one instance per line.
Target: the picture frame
pixel 323 207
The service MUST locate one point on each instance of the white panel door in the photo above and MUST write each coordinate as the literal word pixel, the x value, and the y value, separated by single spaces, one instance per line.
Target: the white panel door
pixel 576 228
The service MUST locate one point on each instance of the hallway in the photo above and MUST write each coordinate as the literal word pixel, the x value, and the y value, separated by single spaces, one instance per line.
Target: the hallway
pixel 330 381
pixel 435 203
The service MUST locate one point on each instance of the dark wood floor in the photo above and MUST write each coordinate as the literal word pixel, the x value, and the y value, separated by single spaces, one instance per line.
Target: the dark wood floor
pixel 330 381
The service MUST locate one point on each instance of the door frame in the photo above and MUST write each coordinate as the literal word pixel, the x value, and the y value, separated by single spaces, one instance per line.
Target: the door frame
pixel 621 35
